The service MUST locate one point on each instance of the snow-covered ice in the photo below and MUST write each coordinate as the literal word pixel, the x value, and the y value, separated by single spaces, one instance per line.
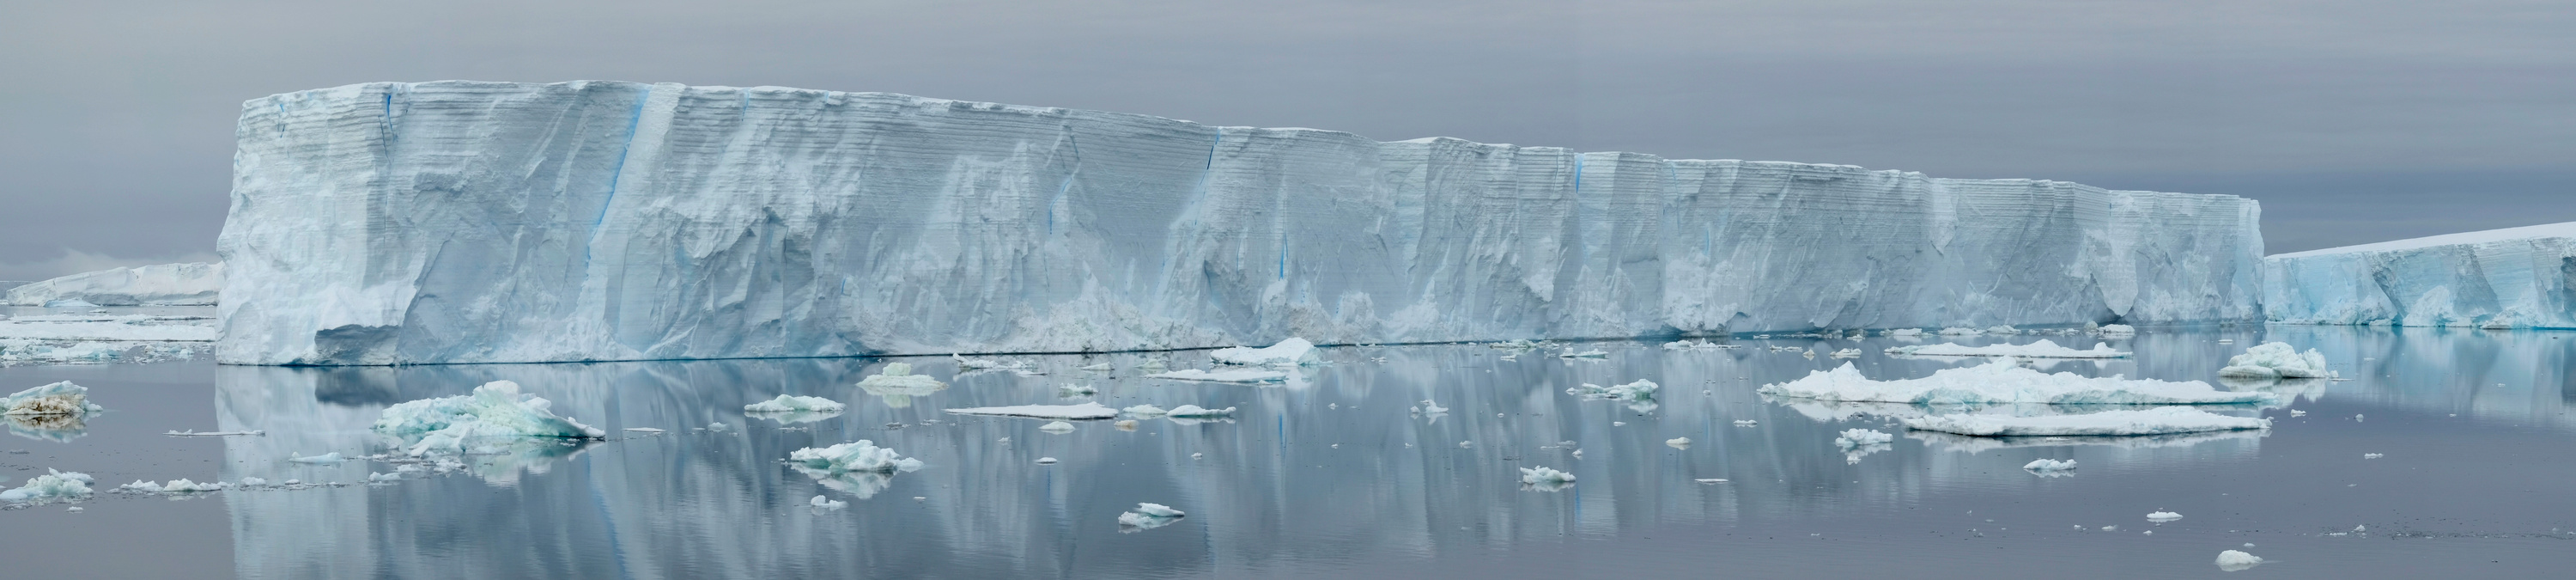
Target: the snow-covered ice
pixel 1145 410
pixel 51 487
pixel 326 458
pixel 1293 351
pixel 861 455
pixel 1056 427
pixel 1545 476
pixel 1678 442
pixel 2233 560
pixel 825 503
pixel 2504 278
pixel 2045 465
pixel 496 410
pixel 1222 376
pixel 795 404
pixel 2163 516
pixel 1853 438
pixel 1196 411
pixel 2042 348
pixel 898 377
pixel 109 331
pixel 1086 410
pixel 1148 516
pixel 2156 421
pixel 194 284
pixel 2277 359
pixel 2003 382
pixel 1639 390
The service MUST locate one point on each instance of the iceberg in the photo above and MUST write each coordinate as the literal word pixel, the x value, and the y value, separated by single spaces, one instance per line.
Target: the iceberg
pixel 898 378
pixel 1222 376
pixel 51 487
pixel 33 328
pixel 1082 411
pixel 1637 391
pixel 2047 465
pixel 2236 561
pixel 1148 516
pixel 1856 438
pixel 197 284
pixel 2277 360
pixel 1194 411
pixel 2042 348
pixel 60 398
pixel 496 410
pixel 2505 278
pixel 2156 421
pixel 475 222
pixel 2004 382
pixel 862 455
pixel 795 404
pixel 1291 352
pixel 1545 476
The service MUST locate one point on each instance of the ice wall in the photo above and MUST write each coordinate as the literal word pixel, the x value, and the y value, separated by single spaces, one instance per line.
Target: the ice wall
pixel 2509 278
pixel 194 284
pixel 487 222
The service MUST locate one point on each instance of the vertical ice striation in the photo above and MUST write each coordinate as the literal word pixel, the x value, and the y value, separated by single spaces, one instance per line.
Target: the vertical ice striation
pixel 2509 278
pixel 438 222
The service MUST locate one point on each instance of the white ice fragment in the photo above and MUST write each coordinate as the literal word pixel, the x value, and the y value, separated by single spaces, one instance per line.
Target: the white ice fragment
pixel 718 426
pixel 2232 560
pixel 1678 442
pixel 1222 376
pixel 332 457
pixel 375 477
pixel 2373 455
pixel 141 486
pixel 1125 424
pixel 1046 461
pixel 2042 348
pixel 1747 423
pixel 1146 410
pixel 1855 438
pixel 1197 455
pixel 2118 329
pixel 494 410
pixel 1056 427
pixel 1710 480
pixel 1088 410
pixel 2163 516
pixel 182 485
pixel 1618 423
pixel 2298 413
pixel 2004 329
pixel 1290 352
pixel 793 404
pixel 51 487
pixel 1429 406
pixel 196 433
pixel 860 456
pixel 820 502
pixel 2047 465
pixel 1545 476
pixel 1076 391
pixel 1196 411
pixel 2277 360
pixel 645 430
pixel 1847 353
pixel 1148 516
pixel 1636 391
pixel 1466 444
pixel 1959 331
pixel 1594 353
pixel 2156 421
pixel 254 481
pixel 2003 381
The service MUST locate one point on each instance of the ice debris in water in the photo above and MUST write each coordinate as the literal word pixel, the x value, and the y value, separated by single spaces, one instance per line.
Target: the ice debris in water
pixel 1125 425
pixel 62 398
pixel 2373 455
pixel 1747 423
pixel 1222 376
pixel 51 487
pixel 254 481
pixel 1430 406
pixel 1046 461
pixel 1711 480
pixel 182 485
pixel 1076 391
pixel 820 502
pixel 494 410
pixel 1594 353
pixel 1678 442
pixel 1058 427
pixel 645 430
pixel 1146 410
pixel 898 377
pixel 1847 353
pixel 380 477
pixel 2049 465
pixel 2163 516
pixel 1096 368
pixel 1148 516
pixel 1088 410
pixel 332 457
pixel 793 404
pixel 2117 329
pixel 2042 348
pixel 2277 360
pixel 1545 476
pixel 1853 438
pixel 2232 560
pixel 717 426
pixel 1466 444
pixel 1290 352
pixel 2156 421
pixel 1636 391
pixel 862 455
pixel 1196 411
pixel 2298 413
pixel 2003 381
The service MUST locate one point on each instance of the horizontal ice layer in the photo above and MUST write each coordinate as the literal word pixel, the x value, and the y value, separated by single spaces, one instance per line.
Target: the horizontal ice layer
pixel 2042 348
pixel 2509 278
pixel 2004 382
pixel 451 222
pixel 1081 411
pixel 125 331
pixel 194 284
pixel 2156 421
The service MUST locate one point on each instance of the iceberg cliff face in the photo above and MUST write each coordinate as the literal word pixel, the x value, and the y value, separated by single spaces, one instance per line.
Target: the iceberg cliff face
pixel 194 284
pixel 2509 278
pixel 494 222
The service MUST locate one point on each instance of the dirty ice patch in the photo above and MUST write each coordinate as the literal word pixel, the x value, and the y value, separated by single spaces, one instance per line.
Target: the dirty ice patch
pixel 2277 360
pixel 1222 376
pixel 1082 411
pixel 2042 348
pixel 2004 382
pixel 2157 421
pixel 61 398
pixel 1291 352
pixel 496 410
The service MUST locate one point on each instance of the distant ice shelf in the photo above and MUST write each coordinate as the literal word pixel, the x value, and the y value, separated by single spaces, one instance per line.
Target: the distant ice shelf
pixel 2508 278
pixel 465 222
pixel 196 284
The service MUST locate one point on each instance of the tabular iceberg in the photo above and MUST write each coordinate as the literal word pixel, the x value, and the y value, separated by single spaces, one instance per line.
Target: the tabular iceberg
pixel 2509 278
pixel 195 284
pixel 453 222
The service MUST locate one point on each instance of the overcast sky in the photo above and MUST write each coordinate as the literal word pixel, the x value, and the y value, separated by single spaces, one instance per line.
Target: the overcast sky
pixel 2351 120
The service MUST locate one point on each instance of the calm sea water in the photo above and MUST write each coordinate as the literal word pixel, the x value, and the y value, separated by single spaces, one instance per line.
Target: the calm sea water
pixel 1332 474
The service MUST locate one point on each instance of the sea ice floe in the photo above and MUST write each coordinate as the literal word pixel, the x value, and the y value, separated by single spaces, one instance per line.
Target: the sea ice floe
pixel 1076 391
pixel 861 455
pixel 1057 427
pixel 383 477
pixel 1102 367
pixel 2049 465
pixel 1146 410
pixel 2117 329
pixel 2373 455
pixel 1710 480
pixel 1847 353
pixel 61 398
pixel 2042 348
pixel 1046 461
pixel 645 430
pixel 1222 376
pixel 182 485
pixel 1636 391
pixel 1290 352
pixel 1543 476
pixel 2277 359
pixel 1747 423
pixel 1678 442
pixel 1959 331
pixel 1429 406
pixel 495 410
pixel 332 457
pixel 2156 421
pixel 825 503
pixel 1125 424
pixel 2232 560
pixel 1086 410
pixel 1148 516
pixel 51 487
pixel 2003 382
pixel 2163 516
pixel 2298 413
pixel 1856 438
pixel 1594 353
pixel 796 404
pixel 1196 411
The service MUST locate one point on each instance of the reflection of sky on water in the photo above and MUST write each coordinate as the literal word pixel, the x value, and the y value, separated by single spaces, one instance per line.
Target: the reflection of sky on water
pixel 1328 468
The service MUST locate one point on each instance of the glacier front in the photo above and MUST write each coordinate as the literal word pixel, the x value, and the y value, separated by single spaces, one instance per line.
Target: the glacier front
pixel 2507 278
pixel 457 222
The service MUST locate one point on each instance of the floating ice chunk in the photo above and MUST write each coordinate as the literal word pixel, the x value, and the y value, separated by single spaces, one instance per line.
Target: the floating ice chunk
pixel 1678 442
pixel 1076 391
pixel 2232 560
pixel 2118 329
pixel 645 430
pixel 141 486
pixel 2163 516
pixel 1148 516
pixel 378 477
pixel 1855 438
pixel 254 481
pixel 1959 331
pixel 1196 411
pixel 972 364
pixel 196 433
pixel 1087 410
pixel 2049 465
pixel 861 455
pixel 1057 427
pixel 794 404
pixel 1711 480
pixel 1905 332
pixel 51 487
pixel 825 503
pixel 182 485
pixel 1290 352
pixel 2002 329
pixel 718 426
pixel 61 398
pixel 1594 353
pixel 2373 455
pixel 2157 421
pixel 897 379
pixel 1847 353
pixel 1146 410
pixel 1046 461
pixel 1222 376
pixel 1545 476
pixel 2003 381
pixel 1429 406
pixel 1102 367
pixel 2042 348
pixel 2298 413
pixel 494 410
pixel 1125 425
pixel 1747 423
pixel 2277 359
pixel 1637 391
pixel 332 457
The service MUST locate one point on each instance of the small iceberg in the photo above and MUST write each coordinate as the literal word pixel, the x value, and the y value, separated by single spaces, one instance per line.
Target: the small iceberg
pixel 1147 410
pixel 2050 467
pixel 58 399
pixel 496 410
pixel 1076 391
pixel 1636 391
pixel 898 377
pixel 1695 344
pixel 1291 352
pixel 1098 368
pixel 326 458
pixel 861 455
pixel 1858 438
pixel 1678 442
pixel 1594 353
pixel 1190 411
pixel 1222 376
pixel 795 404
pixel 2004 382
pixel 1088 410
pixel 1846 353
pixel 2277 360
pixel 2234 561
pixel 1148 516
pixel 51 487
pixel 1057 427
pixel 1430 407
pixel 2163 516
pixel 2042 348
pixel 2117 330
pixel 2157 421
pixel 824 503
pixel 1545 478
